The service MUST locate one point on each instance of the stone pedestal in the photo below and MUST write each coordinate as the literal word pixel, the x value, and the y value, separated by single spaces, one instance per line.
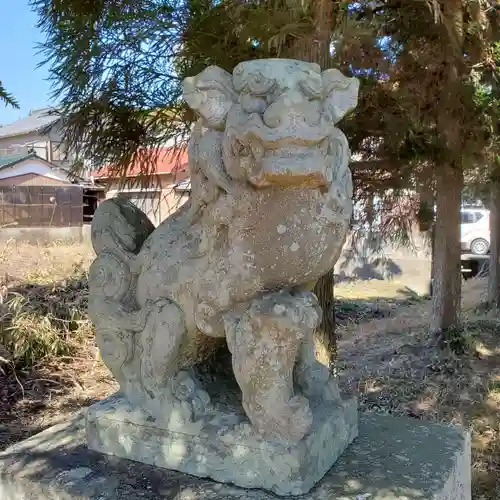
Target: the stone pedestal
pixel 392 459
pixel 223 446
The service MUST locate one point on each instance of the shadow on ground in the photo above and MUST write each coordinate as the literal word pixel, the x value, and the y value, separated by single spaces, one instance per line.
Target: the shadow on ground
pixel 403 372
pixel 361 310
pixel 397 370
pixel 360 267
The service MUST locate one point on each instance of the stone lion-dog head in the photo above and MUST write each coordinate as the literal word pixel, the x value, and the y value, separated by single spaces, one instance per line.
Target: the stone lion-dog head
pixel 274 121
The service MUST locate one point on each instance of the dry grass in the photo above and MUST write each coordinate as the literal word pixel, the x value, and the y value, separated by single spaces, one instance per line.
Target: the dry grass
pixel 21 262
pixel 48 366
pixel 387 355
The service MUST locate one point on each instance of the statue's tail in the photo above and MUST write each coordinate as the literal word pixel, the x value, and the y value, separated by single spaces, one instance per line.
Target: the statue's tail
pixel 119 229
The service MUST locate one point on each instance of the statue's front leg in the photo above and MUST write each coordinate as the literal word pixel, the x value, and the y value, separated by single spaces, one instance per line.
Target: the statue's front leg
pixel 265 344
pixel 312 377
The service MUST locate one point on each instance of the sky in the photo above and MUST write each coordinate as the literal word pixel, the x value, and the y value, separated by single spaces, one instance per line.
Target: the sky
pixel 19 59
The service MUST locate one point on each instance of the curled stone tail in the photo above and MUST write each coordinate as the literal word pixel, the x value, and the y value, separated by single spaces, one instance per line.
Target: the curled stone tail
pixel 119 227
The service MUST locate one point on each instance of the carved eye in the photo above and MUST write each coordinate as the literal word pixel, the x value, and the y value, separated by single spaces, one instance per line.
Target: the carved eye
pixel 253 104
pixel 312 88
pixel 259 85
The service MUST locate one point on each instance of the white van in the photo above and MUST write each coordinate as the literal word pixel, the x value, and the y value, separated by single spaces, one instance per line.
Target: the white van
pixel 475 230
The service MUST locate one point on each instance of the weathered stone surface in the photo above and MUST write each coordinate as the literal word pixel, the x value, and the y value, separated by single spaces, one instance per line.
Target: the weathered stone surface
pixel 224 446
pixel 392 459
pixel 269 213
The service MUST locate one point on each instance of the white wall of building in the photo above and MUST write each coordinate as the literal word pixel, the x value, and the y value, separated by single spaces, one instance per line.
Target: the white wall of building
pixel 45 145
pixel 33 166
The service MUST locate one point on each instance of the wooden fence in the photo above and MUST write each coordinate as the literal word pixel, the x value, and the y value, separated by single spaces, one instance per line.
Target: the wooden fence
pixel 41 206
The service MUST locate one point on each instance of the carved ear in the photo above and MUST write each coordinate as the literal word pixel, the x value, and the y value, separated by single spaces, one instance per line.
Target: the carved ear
pixel 340 94
pixel 211 94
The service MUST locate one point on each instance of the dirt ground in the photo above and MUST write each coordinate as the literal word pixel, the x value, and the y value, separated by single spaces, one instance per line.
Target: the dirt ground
pixel 394 366
pixel 387 357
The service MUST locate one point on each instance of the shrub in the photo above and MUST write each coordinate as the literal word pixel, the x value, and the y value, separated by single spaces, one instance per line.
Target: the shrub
pixel 40 321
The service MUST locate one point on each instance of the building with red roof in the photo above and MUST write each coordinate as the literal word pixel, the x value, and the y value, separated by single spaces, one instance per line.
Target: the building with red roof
pixel 155 181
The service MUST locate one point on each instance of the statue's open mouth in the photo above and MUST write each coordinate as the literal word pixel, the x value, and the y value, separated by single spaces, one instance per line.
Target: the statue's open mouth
pixel 286 161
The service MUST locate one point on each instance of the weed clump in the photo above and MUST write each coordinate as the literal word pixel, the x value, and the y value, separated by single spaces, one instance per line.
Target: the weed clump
pixel 39 321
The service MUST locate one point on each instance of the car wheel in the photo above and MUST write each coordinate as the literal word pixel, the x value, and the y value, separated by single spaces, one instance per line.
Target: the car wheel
pixel 479 247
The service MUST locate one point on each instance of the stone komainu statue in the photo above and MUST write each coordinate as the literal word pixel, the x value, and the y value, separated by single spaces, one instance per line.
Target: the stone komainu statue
pixel 269 213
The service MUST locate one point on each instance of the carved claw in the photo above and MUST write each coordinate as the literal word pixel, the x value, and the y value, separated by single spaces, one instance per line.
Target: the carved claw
pixel 289 422
pixel 331 391
pixel 186 389
pixel 209 321
pixel 312 377
pixel 161 340
pixel 298 418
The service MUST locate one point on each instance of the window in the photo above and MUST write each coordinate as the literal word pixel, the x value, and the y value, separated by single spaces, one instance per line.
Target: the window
pixel 57 151
pixel 478 216
pixel 467 218
pixel 470 217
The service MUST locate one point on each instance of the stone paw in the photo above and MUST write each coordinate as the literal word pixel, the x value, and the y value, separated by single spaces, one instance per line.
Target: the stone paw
pixel 295 421
pixel 331 391
pixel 183 386
pixel 186 389
pixel 201 403
pixel 301 418
pixel 209 321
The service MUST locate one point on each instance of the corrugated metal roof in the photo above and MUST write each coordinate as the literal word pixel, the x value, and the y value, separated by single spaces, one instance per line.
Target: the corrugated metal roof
pixel 168 161
pixel 37 119
pixel 6 161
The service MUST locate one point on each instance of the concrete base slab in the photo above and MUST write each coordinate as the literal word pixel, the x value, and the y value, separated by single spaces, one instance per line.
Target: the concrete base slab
pixel 392 459
pixel 221 445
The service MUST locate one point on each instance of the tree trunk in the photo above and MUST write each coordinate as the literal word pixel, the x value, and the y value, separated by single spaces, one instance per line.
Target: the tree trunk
pixel 433 257
pixel 326 337
pixel 447 279
pixel 494 270
pixel 316 48
pixel 446 266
